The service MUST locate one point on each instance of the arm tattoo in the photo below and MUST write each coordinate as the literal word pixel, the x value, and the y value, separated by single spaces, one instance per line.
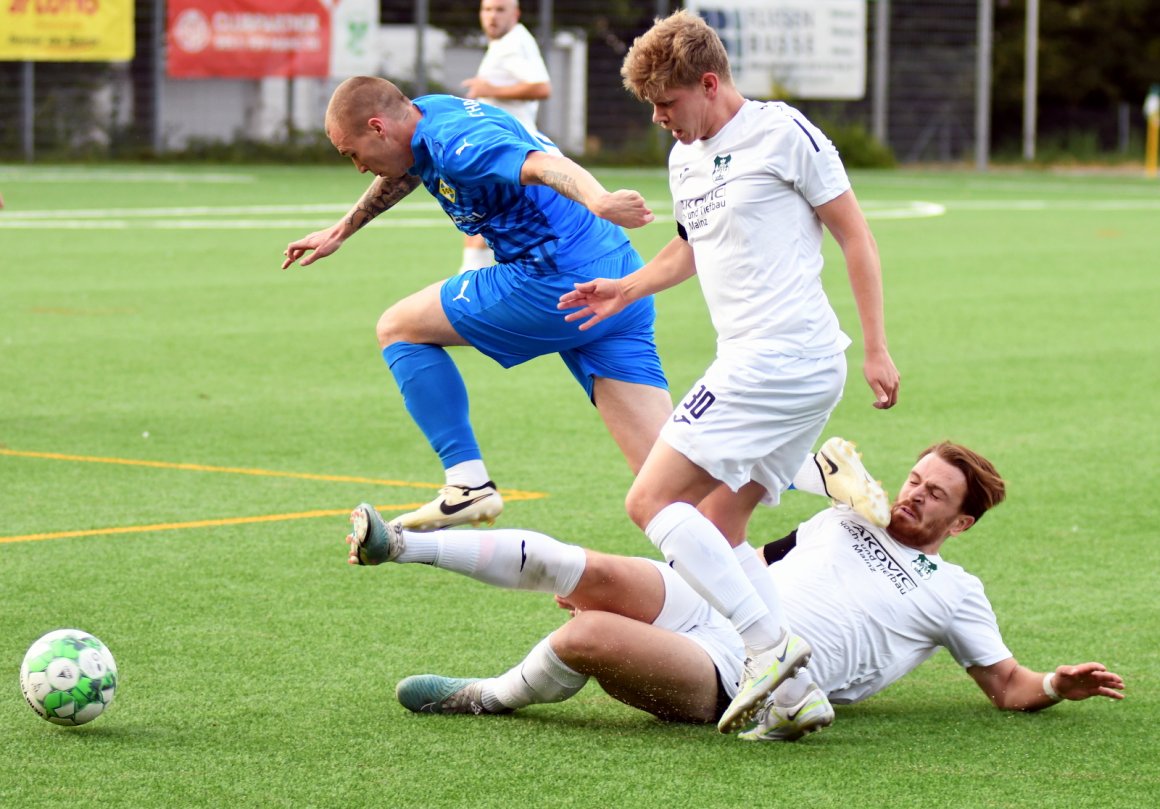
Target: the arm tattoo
pixel 564 184
pixel 384 193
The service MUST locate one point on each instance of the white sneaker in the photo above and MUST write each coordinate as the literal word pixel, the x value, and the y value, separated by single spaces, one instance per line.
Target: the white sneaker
pixel 455 505
pixel 849 484
pixel 788 723
pixel 763 673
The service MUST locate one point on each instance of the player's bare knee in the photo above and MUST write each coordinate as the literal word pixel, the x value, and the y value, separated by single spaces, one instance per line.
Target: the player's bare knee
pixel 390 328
pixel 640 506
pixel 585 641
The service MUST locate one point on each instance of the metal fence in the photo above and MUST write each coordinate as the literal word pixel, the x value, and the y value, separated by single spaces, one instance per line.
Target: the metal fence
pixel 921 96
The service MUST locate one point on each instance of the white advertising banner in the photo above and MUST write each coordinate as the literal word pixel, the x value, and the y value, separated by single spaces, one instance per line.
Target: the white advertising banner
pixel 354 26
pixel 792 48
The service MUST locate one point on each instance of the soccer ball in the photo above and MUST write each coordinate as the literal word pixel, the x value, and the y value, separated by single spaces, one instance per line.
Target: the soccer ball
pixel 68 677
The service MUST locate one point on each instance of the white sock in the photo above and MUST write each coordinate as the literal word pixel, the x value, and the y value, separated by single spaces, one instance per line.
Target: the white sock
pixel 791 691
pixel 467 473
pixel 505 557
pixel 540 677
pixel 809 477
pixel 703 558
pixel 475 258
pixel 758 574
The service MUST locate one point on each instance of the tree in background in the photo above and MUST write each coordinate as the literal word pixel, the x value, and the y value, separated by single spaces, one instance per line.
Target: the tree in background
pixel 1093 56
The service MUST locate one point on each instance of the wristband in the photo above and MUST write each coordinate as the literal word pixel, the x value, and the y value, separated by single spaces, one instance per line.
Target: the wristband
pixel 1048 689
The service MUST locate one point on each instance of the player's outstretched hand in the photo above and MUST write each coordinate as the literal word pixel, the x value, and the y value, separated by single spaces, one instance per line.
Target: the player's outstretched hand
pixel 625 207
pixel 321 242
pixel 883 379
pixel 1087 680
pixel 595 300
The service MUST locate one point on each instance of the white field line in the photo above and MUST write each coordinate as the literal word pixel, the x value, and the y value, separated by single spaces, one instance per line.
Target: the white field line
pixel 1130 186
pixel 426 214
pixel 915 209
pixel 1055 205
pixel 18 174
pixel 267 217
pixel 151 213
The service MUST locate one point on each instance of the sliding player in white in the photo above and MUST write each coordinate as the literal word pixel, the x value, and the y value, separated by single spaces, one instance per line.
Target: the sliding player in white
pixel 874 603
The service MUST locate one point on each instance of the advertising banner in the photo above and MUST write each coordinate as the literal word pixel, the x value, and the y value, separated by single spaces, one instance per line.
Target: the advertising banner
pixel 354 26
pixel 244 39
pixel 66 30
pixel 792 48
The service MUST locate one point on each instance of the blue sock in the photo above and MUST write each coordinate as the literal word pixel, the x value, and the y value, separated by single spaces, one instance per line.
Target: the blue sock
pixel 435 396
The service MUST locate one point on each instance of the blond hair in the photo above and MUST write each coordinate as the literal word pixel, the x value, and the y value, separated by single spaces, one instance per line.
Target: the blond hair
pixel 676 52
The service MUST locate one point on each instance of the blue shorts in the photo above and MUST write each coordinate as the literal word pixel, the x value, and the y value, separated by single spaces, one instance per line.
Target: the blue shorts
pixel 509 314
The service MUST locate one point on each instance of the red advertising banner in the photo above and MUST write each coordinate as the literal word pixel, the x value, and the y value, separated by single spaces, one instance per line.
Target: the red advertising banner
pixel 248 39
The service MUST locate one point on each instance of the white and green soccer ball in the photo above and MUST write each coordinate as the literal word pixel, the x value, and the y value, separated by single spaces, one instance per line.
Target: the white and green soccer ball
pixel 68 677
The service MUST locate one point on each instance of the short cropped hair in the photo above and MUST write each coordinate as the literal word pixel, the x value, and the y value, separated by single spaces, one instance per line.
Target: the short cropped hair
pixel 676 52
pixel 361 98
pixel 985 488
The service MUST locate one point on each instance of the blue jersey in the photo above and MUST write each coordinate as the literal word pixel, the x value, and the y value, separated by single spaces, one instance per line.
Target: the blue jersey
pixel 469 156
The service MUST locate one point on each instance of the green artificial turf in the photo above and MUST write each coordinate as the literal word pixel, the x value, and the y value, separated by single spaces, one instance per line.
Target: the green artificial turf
pixel 183 427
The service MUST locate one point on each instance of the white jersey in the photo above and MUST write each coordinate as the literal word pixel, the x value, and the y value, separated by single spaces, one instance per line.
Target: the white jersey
pixel 874 609
pixel 746 198
pixel 514 58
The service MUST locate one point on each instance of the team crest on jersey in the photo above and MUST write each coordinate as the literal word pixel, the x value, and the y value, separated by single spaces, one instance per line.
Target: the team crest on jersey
pixel 446 190
pixel 721 166
pixel 923 566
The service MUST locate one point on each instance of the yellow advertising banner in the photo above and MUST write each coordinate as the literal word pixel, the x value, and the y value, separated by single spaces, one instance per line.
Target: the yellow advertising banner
pixel 66 30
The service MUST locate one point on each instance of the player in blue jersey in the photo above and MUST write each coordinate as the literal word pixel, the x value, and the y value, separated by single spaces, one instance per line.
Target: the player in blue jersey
pixel 550 223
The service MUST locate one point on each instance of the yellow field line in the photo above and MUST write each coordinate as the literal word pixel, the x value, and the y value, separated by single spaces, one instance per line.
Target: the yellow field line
pixel 509 494
pixel 175 526
pixel 230 470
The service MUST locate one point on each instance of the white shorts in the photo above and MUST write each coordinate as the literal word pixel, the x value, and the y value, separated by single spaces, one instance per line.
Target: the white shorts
pixel 687 614
pixel 754 417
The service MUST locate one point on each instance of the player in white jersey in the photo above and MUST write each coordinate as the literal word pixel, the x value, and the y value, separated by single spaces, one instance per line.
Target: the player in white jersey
pixel 752 184
pixel 513 77
pixel 873 602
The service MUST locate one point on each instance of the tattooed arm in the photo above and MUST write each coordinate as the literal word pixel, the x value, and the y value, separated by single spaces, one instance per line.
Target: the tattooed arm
pixel 383 193
pixel 569 179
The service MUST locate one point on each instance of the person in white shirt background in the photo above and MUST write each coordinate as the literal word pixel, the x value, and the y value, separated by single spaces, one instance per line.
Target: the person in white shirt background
pixel 513 77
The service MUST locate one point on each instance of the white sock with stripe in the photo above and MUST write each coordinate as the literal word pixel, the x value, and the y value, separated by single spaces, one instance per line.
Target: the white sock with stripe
pixel 505 557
